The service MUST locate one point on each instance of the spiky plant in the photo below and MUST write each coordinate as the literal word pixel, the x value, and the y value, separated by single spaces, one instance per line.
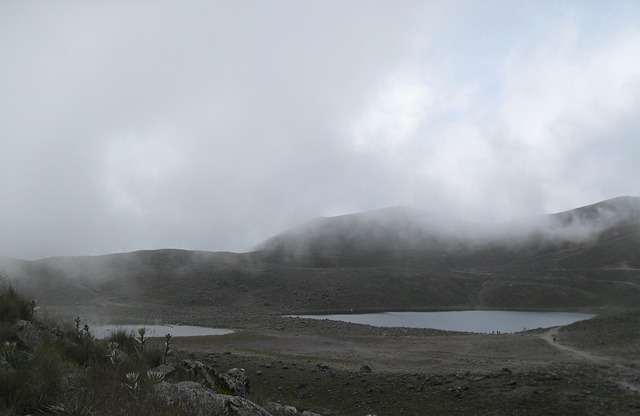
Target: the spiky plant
pixel 142 341
pixel 132 381
pixel 113 353
pixel 167 347
pixel 154 377
pixel 8 351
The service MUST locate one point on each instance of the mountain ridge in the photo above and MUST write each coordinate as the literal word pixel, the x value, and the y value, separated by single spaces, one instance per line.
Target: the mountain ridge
pixel 577 270
pixel 411 229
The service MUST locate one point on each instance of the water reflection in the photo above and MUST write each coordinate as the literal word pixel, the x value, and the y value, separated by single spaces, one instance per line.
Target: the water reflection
pixel 467 321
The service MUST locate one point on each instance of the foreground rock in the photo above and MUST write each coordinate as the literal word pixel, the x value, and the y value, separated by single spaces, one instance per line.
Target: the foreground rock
pixel 200 401
pixel 27 334
pixel 278 409
pixel 234 382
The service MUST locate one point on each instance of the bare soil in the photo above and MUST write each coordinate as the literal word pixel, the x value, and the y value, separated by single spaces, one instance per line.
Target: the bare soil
pixel 336 368
pixel 324 367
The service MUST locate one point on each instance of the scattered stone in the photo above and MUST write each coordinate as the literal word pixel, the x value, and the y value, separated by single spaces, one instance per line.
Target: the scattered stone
pixel 27 334
pixel 553 376
pixel 365 369
pixel 507 370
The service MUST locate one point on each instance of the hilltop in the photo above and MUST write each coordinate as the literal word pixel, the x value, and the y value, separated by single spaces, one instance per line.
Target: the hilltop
pixel 414 234
pixel 397 258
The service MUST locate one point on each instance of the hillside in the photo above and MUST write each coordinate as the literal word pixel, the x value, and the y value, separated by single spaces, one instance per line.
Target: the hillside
pixel 417 236
pixel 391 259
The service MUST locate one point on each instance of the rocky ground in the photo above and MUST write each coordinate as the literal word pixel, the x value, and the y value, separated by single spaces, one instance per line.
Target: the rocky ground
pixel 417 374
pixel 334 368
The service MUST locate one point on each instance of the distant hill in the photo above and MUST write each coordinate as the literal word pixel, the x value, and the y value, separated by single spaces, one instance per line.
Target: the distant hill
pixel 368 238
pixel 409 234
pixel 390 259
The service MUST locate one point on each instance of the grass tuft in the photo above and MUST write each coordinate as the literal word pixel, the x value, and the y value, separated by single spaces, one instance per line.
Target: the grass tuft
pixel 75 374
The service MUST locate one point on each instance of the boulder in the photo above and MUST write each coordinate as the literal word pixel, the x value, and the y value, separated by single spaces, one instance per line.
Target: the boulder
pixel 365 369
pixel 234 382
pixel 553 376
pixel 27 334
pixel 198 400
pixel 277 409
pixel 238 382
pixel 289 410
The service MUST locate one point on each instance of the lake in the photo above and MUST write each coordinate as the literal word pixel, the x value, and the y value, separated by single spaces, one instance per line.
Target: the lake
pixel 466 321
pixel 159 331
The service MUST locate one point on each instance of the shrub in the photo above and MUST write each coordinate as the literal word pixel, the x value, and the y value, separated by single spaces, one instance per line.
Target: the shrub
pixel 126 341
pixel 73 373
pixel 14 307
pixel 84 350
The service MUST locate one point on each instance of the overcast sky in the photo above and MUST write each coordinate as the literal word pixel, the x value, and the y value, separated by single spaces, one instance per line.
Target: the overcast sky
pixel 212 125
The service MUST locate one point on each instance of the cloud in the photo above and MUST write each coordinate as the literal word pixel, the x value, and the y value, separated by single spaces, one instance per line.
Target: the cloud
pixel 213 126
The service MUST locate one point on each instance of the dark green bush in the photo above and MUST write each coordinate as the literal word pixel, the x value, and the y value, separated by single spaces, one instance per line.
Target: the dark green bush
pixel 73 373
pixel 126 340
pixel 14 307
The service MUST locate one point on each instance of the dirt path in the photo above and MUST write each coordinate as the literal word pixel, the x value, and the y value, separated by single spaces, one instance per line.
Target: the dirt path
pixel 618 371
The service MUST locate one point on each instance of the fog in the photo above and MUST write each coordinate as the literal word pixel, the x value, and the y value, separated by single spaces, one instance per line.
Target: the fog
pixel 216 125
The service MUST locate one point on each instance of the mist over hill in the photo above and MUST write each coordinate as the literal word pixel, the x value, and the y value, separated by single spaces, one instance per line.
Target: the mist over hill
pixel 414 234
pixel 390 259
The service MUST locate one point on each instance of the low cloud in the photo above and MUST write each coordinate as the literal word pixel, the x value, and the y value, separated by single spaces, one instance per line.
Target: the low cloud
pixel 215 126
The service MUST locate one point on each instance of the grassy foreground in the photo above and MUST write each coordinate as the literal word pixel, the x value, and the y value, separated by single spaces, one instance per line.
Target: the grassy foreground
pixel 71 373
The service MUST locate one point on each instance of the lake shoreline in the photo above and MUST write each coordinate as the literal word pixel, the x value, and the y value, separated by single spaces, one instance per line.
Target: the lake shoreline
pixel 472 321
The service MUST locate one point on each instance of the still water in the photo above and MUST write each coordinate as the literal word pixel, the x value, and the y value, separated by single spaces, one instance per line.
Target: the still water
pixel 151 331
pixel 467 321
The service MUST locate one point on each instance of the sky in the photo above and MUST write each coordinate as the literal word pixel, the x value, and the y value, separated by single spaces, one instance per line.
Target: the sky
pixel 213 125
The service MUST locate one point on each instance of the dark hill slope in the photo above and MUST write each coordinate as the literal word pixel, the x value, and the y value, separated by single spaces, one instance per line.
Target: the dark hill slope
pixel 606 232
pixel 385 236
pixel 394 259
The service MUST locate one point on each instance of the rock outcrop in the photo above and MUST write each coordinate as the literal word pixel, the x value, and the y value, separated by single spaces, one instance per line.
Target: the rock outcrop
pixel 234 382
pixel 199 400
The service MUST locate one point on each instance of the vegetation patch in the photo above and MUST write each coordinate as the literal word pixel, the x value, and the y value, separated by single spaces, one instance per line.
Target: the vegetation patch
pixel 71 373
